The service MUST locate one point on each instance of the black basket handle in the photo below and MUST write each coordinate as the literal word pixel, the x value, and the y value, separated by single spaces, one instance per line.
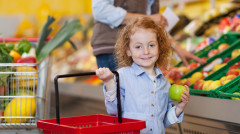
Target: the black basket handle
pixel 85 74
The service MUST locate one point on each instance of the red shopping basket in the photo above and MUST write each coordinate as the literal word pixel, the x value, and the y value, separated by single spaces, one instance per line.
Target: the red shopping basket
pixel 90 124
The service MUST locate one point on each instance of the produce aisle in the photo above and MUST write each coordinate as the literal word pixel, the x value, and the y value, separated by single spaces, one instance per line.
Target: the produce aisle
pixel 203 115
pixel 210 29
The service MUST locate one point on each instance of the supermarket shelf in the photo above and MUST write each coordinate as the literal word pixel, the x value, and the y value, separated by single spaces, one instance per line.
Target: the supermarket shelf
pixel 202 115
pixel 205 107
pixel 214 108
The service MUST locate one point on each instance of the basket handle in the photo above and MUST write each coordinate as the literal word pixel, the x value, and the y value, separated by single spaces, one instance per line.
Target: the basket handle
pixel 84 74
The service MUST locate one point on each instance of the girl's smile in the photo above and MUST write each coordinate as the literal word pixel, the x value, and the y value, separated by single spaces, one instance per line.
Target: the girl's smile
pixel 144 48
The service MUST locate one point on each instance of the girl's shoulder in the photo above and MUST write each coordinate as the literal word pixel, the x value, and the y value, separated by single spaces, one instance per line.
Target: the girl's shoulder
pixel 124 70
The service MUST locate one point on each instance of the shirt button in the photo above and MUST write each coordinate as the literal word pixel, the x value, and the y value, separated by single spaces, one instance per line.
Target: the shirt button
pixel 152 92
pixel 150 129
pixel 154 81
pixel 152 105
pixel 152 115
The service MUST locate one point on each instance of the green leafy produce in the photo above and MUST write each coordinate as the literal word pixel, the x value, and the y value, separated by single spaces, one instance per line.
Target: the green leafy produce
pixel 7 47
pixel 44 34
pixel 24 46
pixel 10 47
pixel 4 56
pixel 4 77
pixel 63 35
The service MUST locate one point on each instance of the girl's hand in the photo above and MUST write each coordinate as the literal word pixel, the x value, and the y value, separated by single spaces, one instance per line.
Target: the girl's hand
pixel 104 74
pixel 107 77
pixel 185 99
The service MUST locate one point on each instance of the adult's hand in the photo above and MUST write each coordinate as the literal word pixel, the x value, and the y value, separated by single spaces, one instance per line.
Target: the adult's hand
pixel 159 19
pixel 184 55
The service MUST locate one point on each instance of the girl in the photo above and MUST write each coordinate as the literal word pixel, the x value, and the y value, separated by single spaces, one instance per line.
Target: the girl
pixel 141 49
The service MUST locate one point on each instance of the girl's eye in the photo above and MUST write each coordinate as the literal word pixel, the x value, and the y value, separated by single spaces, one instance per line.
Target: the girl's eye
pixel 152 45
pixel 138 47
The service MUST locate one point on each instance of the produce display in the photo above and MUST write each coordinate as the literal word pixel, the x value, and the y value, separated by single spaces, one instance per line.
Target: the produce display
pixel 220 52
pixel 18 81
pixel 19 76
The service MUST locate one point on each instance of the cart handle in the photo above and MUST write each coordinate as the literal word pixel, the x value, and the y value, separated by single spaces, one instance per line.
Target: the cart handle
pixel 84 74
pixel 16 39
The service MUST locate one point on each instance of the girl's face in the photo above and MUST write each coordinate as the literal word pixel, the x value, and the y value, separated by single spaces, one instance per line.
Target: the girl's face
pixel 143 48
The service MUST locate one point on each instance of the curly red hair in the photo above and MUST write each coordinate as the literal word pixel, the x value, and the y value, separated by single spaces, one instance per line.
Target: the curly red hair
pixel 123 41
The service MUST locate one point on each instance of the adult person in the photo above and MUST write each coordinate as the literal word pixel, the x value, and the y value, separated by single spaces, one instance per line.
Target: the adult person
pixel 111 16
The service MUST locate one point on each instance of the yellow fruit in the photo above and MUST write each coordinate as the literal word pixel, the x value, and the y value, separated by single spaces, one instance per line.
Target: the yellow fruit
pixel 223 78
pixel 20 107
pixel 214 85
pixel 236 98
pixel 170 80
pixel 23 77
pixel 206 85
pixel 225 82
pixel 197 76
pixel 218 66
pixel 184 69
pixel 15 55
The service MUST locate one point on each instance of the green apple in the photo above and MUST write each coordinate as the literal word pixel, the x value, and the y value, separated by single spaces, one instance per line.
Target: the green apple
pixel 175 92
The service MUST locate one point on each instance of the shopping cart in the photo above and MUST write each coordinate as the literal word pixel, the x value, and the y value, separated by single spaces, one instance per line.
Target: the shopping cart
pixel 90 124
pixel 24 96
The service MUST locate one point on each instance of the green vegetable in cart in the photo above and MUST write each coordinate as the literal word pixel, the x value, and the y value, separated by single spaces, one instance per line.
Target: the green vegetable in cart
pixel 24 46
pixel 7 47
pixel 4 77
pixel 4 56
pixel 175 92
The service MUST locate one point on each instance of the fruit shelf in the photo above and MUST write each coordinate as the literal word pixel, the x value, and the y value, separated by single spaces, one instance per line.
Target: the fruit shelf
pixel 216 76
pixel 228 38
pixel 226 53
pixel 227 92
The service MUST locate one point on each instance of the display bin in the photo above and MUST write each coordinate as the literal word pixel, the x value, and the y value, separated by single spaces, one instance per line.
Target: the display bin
pixel 90 124
pixel 226 53
pixel 228 38
pixel 24 97
pixel 216 76
pixel 227 91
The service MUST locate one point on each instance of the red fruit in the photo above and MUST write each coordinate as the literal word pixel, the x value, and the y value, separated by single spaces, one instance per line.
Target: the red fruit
pixel 27 60
pixel 174 75
pixel 232 72
pixel 188 82
pixel 197 84
pixel 225 60
pixel 200 86
pixel 204 58
pixel 213 52
pixel 234 66
pixel 205 73
pixel 178 82
pixel 193 65
pixel 178 75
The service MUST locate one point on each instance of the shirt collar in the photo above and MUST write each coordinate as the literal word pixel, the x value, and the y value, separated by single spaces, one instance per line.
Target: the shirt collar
pixel 139 70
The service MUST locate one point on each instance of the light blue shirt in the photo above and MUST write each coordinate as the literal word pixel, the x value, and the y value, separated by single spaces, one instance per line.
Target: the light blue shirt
pixel 142 100
pixel 105 12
